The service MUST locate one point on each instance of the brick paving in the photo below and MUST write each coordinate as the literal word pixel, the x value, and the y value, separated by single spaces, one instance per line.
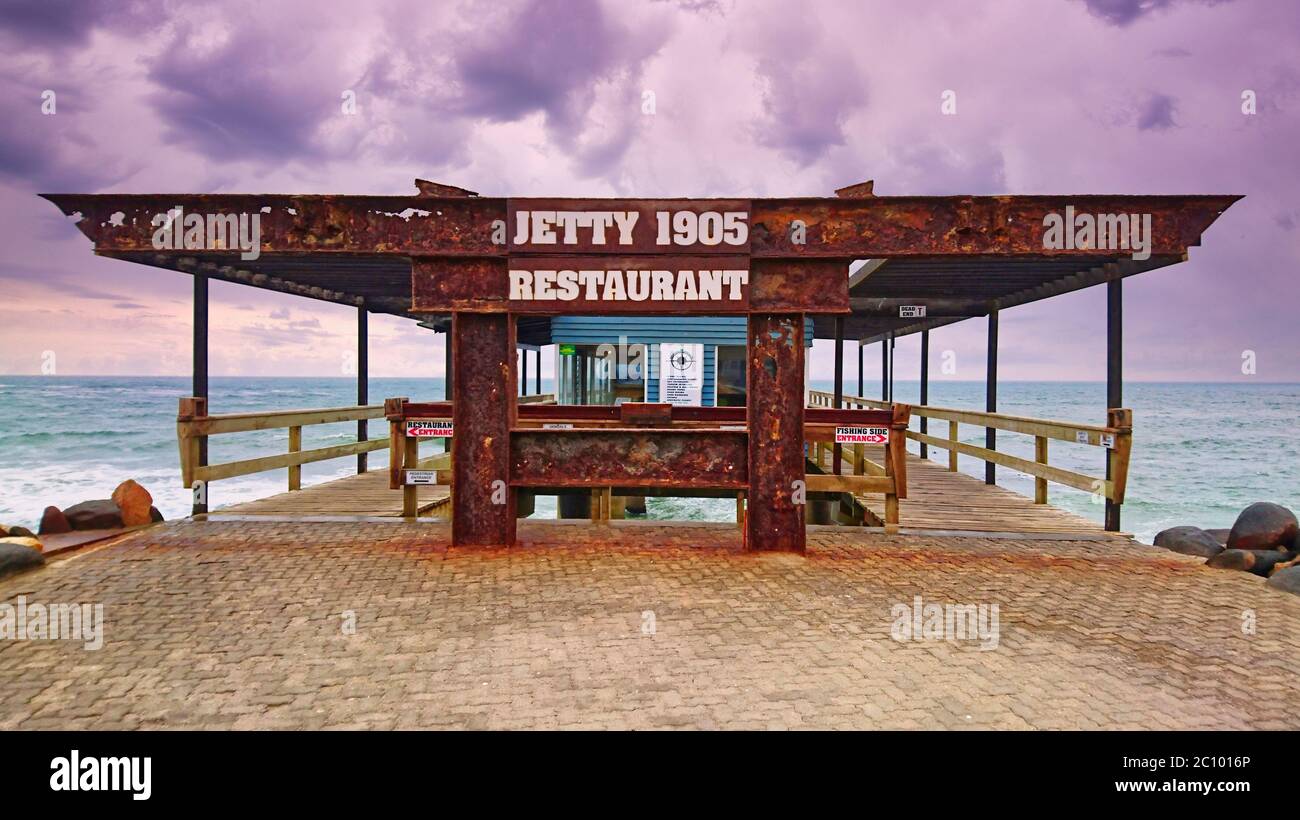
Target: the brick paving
pixel 239 625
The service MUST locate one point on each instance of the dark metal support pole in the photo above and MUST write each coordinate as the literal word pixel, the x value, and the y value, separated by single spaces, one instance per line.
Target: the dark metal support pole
pixel 884 369
pixel 925 385
pixel 200 373
pixel 363 380
pixel 1114 373
pixel 991 396
pixel 862 388
pixel 539 372
pixel 892 343
pixel 523 382
pixel 837 450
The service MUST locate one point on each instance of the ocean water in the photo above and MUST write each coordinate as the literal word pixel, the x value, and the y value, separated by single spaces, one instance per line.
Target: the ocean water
pixel 1201 451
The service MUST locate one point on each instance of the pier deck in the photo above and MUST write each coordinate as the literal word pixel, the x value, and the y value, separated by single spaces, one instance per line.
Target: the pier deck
pixel 640 625
pixel 946 501
pixel 365 495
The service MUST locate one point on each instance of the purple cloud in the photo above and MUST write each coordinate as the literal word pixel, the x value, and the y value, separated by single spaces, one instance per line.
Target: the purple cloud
pixel 1157 113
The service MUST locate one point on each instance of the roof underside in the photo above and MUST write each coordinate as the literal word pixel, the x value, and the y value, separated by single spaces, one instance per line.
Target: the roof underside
pixel 958 256
pixel 966 287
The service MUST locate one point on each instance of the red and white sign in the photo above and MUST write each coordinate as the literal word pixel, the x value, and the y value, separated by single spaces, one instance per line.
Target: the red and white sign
pixel 428 428
pixel 861 435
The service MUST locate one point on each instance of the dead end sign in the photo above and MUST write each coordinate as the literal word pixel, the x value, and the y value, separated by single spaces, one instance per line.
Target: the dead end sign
pixel 861 435
pixel 428 428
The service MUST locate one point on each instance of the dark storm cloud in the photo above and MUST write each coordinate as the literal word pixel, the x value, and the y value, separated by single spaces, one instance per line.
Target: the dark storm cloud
pixel 1157 113
pixel 242 98
pixel 1124 12
pixel 545 61
pixel 55 24
pixel 806 104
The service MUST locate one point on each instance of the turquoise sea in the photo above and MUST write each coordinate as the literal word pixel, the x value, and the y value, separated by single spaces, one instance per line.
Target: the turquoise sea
pixel 1201 451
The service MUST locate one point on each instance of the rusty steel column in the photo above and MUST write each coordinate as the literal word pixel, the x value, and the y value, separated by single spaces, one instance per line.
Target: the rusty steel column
pixel 837 450
pixel 483 411
pixel 774 521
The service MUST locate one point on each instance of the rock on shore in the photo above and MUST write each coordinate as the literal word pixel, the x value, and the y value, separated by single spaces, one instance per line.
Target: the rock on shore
pixel 1189 541
pixel 1264 525
pixel 16 556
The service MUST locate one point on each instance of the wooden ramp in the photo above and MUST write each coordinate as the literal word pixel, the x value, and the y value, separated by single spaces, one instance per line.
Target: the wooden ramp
pixel 941 500
pixel 366 495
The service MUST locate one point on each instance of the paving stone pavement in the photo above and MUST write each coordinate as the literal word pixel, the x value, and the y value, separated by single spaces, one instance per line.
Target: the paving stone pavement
pixel 241 625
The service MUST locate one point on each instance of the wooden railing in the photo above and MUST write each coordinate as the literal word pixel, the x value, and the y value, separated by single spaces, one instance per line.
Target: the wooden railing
pixel 1116 436
pixel 889 479
pixel 194 426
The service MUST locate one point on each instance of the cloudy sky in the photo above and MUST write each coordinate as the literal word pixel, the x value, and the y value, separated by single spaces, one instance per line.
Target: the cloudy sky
pixel 752 98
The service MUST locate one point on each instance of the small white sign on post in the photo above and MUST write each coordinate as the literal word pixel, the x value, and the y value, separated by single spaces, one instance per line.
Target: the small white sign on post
pixel 681 374
pixel 1081 436
pixel 557 425
pixel 1108 440
pixel 911 311
pixel 428 428
pixel 421 476
pixel 861 435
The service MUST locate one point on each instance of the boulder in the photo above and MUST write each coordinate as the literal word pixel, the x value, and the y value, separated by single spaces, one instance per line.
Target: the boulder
pixel 1258 562
pixel 53 522
pixel 21 532
pixel 30 543
pixel 1263 526
pixel 155 516
pixel 101 514
pixel 1189 541
pixel 1220 535
pixel 1288 580
pixel 134 501
pixel 18 557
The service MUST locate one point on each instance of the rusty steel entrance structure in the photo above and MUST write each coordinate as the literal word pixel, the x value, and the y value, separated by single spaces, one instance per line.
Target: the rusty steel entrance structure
pixel 485 267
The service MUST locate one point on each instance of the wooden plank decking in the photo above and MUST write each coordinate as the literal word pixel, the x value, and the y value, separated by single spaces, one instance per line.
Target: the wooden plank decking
pixel 941 500
pixel 366 495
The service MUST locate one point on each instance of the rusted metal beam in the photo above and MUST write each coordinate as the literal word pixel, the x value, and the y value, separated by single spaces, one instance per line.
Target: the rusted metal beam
pixel 841 228
pixel 632 457
pixel 483 355
pixel 774 517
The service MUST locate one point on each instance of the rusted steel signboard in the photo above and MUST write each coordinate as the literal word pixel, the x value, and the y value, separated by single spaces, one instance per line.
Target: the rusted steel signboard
pixel 575 285
pixel 605 226
pixel 648 284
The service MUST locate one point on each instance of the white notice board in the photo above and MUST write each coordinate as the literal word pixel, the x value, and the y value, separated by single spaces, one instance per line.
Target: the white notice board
pixel 681 374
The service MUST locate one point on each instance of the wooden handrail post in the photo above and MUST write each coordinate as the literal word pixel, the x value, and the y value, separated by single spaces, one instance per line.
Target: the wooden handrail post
pixel 295 470
pixel 740 509
pixel 410 492
pixel 859 459
pixel 191 409
pixel 952 451
pixel 394 412
pixel 1040 455
pixel 1121 419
